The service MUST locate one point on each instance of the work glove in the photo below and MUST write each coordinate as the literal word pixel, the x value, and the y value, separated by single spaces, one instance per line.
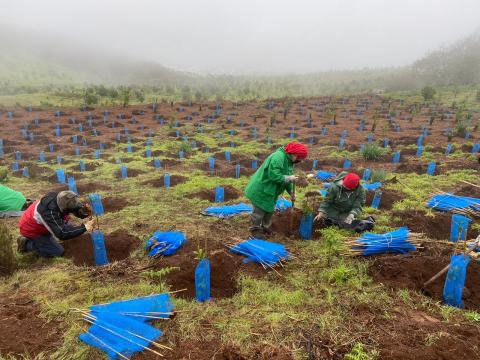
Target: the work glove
pixel 320 216
pixel 89 225
pixel 290 178
pixel 348 220
pixel 85 211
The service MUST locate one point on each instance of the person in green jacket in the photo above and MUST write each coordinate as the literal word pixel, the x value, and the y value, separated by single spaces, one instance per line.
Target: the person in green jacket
pixel 272 179
pixel 344 203
pixel 12 203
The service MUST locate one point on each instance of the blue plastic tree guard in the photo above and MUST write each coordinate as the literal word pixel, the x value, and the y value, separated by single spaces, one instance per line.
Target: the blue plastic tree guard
pixel 455 281
pixel 396 157
pixel 60 176
pixel 219 194
pixel 211 163
pixel 263 252
pixel 376 199
pixel 72 186
pixel 282 204
pixel 431 168
pixel 449 202
pixel 419 151
pixel 306 227
pixel 99 251
pixel 15 166
pixel 59 159
pixel 448 150
pixel 202 281
pixel 373 186
pixel 166 181
pixel 420 141
pixel 347 164
pixel 129 148
pixel 77 151
pixel 41 157
pixel 148 153
pixel 366 174
pixel 459 227
pixel 18 155
pixel 97 206
pixel 157 163
pixel 123 171
pixel 391 242
pixel 254 164
pixel 314 165
pixel 165 243
pixel 325 175
pixel 82 166
pixel 386 142
pixel 227 211
pixel 227 155
pixel 25 172
pixel 341 144
pixel 237 171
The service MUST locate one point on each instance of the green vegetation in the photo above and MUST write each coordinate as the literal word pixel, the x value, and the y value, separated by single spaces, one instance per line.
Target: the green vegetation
pixel 8 261
pixel 428 93
pixel 372 152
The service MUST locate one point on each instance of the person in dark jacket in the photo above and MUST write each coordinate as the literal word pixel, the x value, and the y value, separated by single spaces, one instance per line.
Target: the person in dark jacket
pixel 47 220
pixel 344 203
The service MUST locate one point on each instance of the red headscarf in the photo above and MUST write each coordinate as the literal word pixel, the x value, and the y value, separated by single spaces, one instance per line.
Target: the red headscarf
pixel 297 149
pixel 351 181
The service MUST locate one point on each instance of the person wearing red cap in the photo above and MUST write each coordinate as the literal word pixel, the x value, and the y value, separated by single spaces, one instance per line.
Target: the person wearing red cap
pixel 344 201
pixel 269 182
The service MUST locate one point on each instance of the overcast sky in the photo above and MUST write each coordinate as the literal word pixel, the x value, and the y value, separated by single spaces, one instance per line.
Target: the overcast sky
pixel 254 36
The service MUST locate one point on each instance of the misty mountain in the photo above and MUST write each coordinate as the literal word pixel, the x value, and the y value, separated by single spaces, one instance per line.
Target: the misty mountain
pixel 39 59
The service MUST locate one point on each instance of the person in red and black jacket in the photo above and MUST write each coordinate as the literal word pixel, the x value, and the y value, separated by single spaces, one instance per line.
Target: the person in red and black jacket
pixel 47 220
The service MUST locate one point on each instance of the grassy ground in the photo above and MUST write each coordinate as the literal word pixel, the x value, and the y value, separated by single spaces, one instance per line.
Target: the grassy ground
pixel 315 293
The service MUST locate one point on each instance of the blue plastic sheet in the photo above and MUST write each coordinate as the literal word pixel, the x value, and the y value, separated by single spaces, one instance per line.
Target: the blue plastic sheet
pixel 99 251
pixel 325 175
pixel 455 281
pixel 227 211
pixel 373 186
pixel 261 251
pixel 390 242
pixel 306 227
pixel 449 202
pixel 458 230
pixel 202 281
pixel 165 243
pixel 283 204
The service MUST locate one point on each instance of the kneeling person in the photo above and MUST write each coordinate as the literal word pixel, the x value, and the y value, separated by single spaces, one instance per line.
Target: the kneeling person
pixel 344 203
pixel 48 219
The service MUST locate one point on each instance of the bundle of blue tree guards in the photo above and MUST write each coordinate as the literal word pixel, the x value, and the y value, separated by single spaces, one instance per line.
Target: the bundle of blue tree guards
pixel 121 328
pixel 266 253
pixel 399 241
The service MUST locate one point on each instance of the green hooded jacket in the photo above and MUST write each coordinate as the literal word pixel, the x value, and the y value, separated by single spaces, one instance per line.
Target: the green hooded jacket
pixel 11 200
pixel 268 182
pixel 339 202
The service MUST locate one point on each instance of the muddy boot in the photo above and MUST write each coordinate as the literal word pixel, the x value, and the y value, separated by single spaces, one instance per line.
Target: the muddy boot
pixel 258 235
pixel 267 231
pixel 22 244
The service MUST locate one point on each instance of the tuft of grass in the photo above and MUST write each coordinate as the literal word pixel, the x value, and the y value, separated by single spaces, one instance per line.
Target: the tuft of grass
pixel 8 261
pixel 358 352
pixel 372 152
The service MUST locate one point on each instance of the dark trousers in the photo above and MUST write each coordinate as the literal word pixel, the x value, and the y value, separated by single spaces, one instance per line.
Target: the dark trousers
pixel 260 219
pixel 45 246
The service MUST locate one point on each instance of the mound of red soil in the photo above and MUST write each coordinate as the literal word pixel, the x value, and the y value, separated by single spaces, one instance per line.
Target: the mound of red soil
pixel 130 173
pixel 287 223
pixel 400 271
pixel 118 244
pixel 389 197
pixel 23 331
pixel 230 193
pixel 437 227
pixel 224 269
pixel 174 180
pixel 114 204
pixel 467 190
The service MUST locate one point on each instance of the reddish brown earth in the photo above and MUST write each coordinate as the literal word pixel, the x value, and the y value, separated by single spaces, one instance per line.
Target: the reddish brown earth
pixel 389 197
pixel 411 271
pixel 112 204
pixel 22 330
pixel 230 193
pixel 174 180
pixel 118 244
